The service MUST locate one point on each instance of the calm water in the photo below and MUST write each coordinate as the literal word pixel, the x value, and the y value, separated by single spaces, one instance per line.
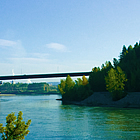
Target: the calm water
pixel 52 120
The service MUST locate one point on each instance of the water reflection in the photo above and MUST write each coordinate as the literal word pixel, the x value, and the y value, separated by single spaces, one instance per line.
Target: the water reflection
pixel 112 121
pixel 53 120
pixel 124 120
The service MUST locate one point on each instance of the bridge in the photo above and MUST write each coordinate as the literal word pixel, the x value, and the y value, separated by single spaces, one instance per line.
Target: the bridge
pixel 55 75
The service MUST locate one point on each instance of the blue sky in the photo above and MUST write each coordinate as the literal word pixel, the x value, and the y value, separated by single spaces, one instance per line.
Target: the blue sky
pixel 49 36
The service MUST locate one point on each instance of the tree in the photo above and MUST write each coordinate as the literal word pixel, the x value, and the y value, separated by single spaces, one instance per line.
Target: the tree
pixel 69 83
pixel 79 81
pixel 66 88
pixel 74 92
pixel 115 82
pixel 115 62
pixel 61 86
pixel 15 127
pixel 85 80
pixel 136 45
pixel 111 80
pixel 130 48
pixel 97 81
pixel 124 52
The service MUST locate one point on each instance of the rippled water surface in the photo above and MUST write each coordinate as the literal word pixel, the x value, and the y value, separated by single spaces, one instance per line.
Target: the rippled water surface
pixel 52 120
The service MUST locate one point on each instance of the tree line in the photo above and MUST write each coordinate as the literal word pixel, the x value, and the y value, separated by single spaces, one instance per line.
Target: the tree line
pixel 21 88
pixel 74 91
pixel 118 78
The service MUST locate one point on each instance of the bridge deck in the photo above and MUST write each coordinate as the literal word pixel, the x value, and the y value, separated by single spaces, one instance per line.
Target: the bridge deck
pixel 55 75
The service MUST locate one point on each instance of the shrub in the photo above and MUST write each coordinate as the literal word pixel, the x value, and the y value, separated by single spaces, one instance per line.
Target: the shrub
pixel 15 127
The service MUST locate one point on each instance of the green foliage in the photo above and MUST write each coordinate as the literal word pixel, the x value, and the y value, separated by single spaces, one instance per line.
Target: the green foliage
pixel 74 92
pixel 85 80
pixel 117 95
pixel 82 92
pixel 23 88
pixel 69 84
pixel 130 48
pixel 124 52
pixel 15 129
pixel 96 81
pixel 38 87
pixel 52 89
pixel 61 86
pixel 79 81
pixel 130 64
pixel 111 78
pixel 66 87
pixel 115 82
pixel 96 77
pixel 115 62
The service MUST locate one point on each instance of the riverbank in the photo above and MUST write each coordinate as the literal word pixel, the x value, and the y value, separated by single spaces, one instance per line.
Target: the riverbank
pixel 7 94
pixel 28 93
pixel 104 99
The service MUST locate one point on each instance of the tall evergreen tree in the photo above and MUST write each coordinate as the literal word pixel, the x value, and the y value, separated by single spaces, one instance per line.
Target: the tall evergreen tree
pixel 124 52
pixel 115 62
pixel 130 48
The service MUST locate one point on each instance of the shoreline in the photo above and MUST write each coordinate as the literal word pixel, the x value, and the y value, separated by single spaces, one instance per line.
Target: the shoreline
pixel 104 99
pixel 7 94
pixel 98 99
pixel 28 93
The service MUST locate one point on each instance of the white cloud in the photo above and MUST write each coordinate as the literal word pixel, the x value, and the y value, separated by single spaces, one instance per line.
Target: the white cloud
pixel 11 49
pixel 15 56
pixel 57 47
pixel 4 42
pixel 39 55
pixel 29 60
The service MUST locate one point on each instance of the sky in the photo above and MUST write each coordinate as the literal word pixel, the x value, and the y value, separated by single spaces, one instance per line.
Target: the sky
pixel 51 36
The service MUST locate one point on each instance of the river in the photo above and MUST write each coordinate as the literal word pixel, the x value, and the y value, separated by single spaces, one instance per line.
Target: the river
pixel 52 120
